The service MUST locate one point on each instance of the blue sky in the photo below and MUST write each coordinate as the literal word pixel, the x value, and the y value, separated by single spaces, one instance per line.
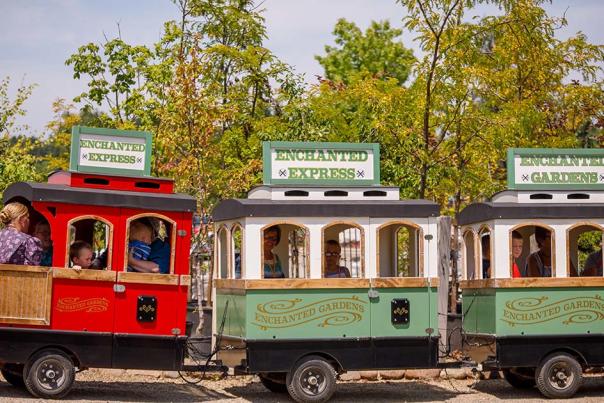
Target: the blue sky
pixel 37 36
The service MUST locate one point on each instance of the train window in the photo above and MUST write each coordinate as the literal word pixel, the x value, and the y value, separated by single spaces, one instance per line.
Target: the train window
pixel 150 244
pixel 284 251
pixel 41 230
pixel 89 243
pixel 537 247
pixel 343 250
pixel 222 255
pixel 470 255
pixel 584 250
pixel 399 250
pixel 485 253
pixel 237 243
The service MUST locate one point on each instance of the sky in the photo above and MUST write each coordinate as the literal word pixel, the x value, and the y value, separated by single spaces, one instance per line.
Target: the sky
pixel 37 36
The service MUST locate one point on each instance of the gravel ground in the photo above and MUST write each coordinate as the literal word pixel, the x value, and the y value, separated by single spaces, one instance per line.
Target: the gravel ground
pixel 108 386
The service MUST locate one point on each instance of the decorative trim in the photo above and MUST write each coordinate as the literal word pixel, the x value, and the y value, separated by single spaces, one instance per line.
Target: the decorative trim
pixel 147 278
pixel 533 282
pixel 85 274
pixel 327 283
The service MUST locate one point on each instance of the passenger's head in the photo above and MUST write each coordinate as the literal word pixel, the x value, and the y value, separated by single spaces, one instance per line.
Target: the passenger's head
pixel 140 231
pixel 42 232
pixel 80 253
pixel 272 236
pixel 332 253
pixel 16 215
pixel 544 239
pixel 517 242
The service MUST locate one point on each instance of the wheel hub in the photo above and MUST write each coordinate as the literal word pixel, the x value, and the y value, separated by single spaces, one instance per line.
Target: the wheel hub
pixel 313 382
pixel 561 377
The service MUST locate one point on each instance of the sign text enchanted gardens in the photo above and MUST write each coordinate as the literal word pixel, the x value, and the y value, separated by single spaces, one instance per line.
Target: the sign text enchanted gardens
pixel 321 163
pixel 110 151
pixel 555 168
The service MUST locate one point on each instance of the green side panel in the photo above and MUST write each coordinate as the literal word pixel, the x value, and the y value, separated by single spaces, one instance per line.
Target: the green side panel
pixel 234 322
pixel 478 307
pixel 561 310
pixel 422 312
pixel 308 313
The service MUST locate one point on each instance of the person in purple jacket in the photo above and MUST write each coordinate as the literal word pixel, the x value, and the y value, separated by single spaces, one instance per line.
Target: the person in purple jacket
pixel 16 245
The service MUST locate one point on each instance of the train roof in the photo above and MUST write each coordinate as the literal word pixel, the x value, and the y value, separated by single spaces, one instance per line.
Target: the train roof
pixel 237 208
pixel 47 192
pixel 543 204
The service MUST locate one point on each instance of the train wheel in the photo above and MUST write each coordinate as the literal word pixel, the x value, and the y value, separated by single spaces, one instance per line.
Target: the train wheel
pixel 521 378
pixel 312 380
pixel 49 374
pixel 13 373
pixel 274 381
pixel 559 376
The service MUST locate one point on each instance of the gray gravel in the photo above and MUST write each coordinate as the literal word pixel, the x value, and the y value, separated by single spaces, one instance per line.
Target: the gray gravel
pixel 108 386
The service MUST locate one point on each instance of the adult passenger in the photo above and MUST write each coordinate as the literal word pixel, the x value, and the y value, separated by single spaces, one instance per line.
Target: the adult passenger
pixel 272 264
pixel 42 232
pixel 333 251
pixel 539 264
pixel 517 243
pixel 16 245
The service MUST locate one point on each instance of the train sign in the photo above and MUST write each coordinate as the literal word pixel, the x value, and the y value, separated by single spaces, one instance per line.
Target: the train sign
pixel 555 168
pixel 345 164
pixel 109 151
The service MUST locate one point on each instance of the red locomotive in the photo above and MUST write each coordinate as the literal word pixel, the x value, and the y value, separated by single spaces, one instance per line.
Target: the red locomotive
pixel 58 318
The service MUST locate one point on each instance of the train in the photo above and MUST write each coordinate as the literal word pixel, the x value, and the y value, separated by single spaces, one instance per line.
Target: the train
pixel 318 271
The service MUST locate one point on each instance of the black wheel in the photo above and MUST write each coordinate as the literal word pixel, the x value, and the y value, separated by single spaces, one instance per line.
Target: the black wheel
pixel 559 376
pixel 13 373
pixel 274 381
pixel 49 374
pixel 312 380
pixel 521 378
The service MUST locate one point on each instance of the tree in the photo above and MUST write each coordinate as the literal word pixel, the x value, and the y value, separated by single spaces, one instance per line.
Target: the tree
pixel 16 162
pixel 376 53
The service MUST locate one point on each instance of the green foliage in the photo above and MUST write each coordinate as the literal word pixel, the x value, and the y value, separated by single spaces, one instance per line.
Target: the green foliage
pixel 11 109
pixel 376 53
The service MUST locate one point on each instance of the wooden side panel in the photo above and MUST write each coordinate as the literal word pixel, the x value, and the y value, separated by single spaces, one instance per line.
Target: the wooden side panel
pixel 25 295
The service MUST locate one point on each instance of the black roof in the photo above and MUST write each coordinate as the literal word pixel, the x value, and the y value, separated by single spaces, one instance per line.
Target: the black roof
pixel 480 212
pixel 236 208
pixel 33 191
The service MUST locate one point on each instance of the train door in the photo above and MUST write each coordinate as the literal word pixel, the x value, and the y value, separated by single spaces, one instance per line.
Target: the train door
pixel 147 298
pixel 84 299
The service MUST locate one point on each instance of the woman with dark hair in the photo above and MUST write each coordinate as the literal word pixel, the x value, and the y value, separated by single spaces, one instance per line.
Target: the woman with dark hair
pixel 16 245
pixel 272 264
pixel 539 264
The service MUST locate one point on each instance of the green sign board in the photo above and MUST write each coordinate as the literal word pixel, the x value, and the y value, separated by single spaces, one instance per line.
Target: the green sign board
pixel 308 163
pixel 109 151
pixel 555 168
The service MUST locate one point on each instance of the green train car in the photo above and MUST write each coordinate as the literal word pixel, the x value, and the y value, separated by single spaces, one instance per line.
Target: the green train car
pixel 532 255
pixel 312 281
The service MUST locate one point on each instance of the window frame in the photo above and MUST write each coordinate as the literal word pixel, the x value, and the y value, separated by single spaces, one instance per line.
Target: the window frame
pixel 420 246
pixel 306 245
pixel 109 244
pixel 172 239
pixel 595 226
pixel 465 232
pixel 553 246
pixel 217 254
pixel 231 270
pixel 323 240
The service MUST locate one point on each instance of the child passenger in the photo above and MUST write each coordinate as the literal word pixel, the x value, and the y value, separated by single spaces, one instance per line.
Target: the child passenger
pixel 139 248
pixel 80 254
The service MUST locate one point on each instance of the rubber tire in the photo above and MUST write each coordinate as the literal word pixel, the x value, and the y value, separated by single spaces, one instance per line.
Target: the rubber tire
pixel 13 373
pixel 55 357
pixel 542 376
pixel 271 382
pixel 296 389
pixel 516 378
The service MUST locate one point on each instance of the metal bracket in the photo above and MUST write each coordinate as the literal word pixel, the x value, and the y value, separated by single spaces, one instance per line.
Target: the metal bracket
pixel 399 314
